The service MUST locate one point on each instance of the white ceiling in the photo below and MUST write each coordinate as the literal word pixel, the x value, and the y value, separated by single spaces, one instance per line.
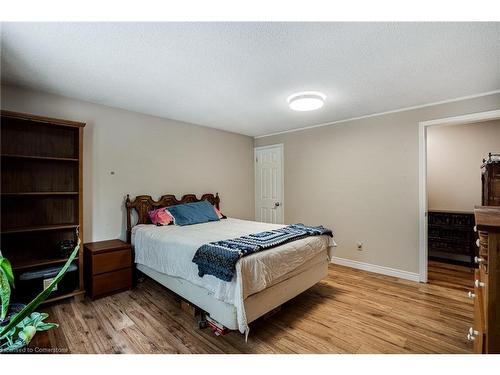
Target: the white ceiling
pixel 237 76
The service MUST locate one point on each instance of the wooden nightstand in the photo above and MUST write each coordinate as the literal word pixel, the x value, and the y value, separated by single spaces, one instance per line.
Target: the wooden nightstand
pixel 108 267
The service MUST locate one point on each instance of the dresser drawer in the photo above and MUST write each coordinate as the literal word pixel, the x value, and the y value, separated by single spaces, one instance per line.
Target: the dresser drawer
pixel 479 338
pixel 111 261
pixel 482 242
pixel 111 282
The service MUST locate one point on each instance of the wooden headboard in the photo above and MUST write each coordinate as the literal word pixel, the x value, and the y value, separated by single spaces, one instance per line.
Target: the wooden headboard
pixel 144 203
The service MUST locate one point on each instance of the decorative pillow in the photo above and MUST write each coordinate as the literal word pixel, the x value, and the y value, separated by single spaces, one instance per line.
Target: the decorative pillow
pixel 193 213
pixel 161 216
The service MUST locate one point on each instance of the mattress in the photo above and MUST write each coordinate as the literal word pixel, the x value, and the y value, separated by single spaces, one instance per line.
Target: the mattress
pixel 170 250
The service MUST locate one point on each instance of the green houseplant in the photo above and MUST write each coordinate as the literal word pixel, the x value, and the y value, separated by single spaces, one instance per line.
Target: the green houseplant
pixel 23 326
pixel 6 281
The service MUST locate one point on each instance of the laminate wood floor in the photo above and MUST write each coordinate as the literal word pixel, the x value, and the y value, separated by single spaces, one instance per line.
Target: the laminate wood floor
pixel 351 311
pixel 451 276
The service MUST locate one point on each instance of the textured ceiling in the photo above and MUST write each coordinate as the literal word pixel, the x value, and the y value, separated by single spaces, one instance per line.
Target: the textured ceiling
pixel 237 76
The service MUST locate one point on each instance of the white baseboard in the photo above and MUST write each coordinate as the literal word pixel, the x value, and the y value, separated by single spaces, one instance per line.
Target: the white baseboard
pixel 377 269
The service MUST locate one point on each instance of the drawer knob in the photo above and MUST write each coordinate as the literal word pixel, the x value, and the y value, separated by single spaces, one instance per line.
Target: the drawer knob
pixel 477 242
pixel 471 335
pixel 478 284
pixel 478 260
pixel 471 295
pixel 473 332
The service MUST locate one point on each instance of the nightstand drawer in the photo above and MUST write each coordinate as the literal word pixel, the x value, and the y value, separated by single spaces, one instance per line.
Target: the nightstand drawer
pixel 111 261
pixel 111 282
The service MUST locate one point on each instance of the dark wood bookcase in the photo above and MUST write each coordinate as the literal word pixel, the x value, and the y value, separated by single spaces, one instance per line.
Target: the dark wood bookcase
pixel 451 237
pixel 41 192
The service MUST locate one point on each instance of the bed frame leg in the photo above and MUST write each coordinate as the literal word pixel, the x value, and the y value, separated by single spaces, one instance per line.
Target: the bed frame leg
pixel 137 277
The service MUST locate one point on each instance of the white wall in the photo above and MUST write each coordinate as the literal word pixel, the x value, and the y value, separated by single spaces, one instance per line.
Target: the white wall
pixel 361 179
pixel 454 157
pixel 149 155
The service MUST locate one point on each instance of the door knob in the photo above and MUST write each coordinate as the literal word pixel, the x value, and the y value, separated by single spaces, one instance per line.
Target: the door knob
pixel 471 295
pixel 276 204
pixel 478 260
pixel 477 242
pixel 478 283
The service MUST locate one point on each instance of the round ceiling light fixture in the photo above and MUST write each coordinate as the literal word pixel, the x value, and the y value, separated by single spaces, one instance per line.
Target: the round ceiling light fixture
pixel 306 101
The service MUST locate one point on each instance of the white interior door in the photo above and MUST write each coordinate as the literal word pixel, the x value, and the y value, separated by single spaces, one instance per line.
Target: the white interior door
pixel 269 184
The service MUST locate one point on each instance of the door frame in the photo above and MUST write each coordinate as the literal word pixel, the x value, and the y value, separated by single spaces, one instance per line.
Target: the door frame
pixel 422 175
pixel 255 149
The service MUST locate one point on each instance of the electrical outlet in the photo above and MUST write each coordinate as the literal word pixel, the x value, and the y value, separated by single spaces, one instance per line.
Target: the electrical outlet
pixel 360 246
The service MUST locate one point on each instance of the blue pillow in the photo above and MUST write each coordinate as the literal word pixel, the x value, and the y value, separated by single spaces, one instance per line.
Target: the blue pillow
pixel 193 213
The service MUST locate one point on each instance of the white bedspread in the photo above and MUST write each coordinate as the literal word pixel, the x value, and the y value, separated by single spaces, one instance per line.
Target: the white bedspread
pixel 170 250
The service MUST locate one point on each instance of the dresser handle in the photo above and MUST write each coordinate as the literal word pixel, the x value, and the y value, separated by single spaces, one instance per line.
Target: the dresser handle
pixel 471 295
pixel 477 242
pixel 471 336
pixel 473 332
pixel 478 284
pixel 478 260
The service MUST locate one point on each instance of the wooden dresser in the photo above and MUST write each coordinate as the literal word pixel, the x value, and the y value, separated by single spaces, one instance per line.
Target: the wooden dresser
pixel 490 179
pixel 485 332
pixel 108 267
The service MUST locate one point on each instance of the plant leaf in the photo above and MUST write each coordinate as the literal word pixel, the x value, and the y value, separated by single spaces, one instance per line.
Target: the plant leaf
pixel 4 294
pixel 46 326
pixel 27 334
pixel 42 296
pixel 36 318
pixel 11 346
pixel 23 323
pixel 7 268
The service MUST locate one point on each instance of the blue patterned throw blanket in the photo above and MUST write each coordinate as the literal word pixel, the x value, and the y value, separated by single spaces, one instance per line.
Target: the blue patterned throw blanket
pixel 219 258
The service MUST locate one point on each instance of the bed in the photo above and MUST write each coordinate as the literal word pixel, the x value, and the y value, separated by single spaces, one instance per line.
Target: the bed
pixel 263 280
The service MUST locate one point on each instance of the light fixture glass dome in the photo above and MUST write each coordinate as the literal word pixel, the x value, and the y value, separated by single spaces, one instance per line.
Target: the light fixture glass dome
pixel 306 101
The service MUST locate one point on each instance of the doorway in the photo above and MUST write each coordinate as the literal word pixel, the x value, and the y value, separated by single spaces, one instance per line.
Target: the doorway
pixel 269 184
pixel 442 214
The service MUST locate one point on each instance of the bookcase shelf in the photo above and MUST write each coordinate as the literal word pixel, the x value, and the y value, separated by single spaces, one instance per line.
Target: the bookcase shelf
pixel 75 293
pixel 34 157
pixel 38 193
pixel 39 228
pixel 23 265
pixel 41 193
